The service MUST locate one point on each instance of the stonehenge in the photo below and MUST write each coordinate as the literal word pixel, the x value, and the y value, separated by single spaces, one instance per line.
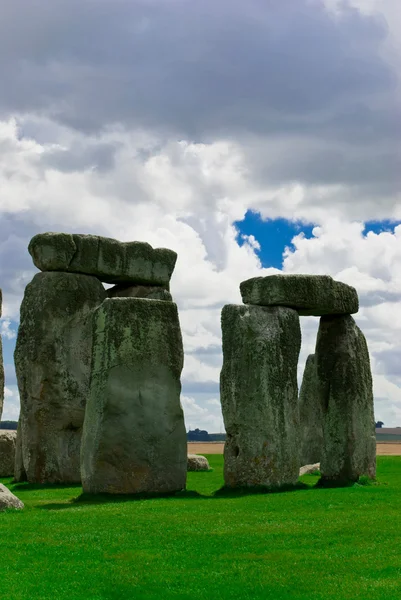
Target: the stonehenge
pixel 99 376
pixel 119 351
pixel 269 431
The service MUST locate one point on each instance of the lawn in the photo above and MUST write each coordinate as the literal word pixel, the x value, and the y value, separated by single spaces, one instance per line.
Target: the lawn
pixel 306 544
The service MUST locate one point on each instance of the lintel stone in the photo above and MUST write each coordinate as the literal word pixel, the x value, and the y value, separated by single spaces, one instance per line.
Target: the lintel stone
pixel 310 295
pixel 107 259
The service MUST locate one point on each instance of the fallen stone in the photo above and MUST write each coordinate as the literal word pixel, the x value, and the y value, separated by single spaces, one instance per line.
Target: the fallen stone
pixel 259 395
pixel 310 295
pixel 107 259
pixel 346 394
pixel 310 415
pixel 7 452
pixel 139 291
pixel 134 438
pixel 309 469
pixel 197 463
pixel 1 364
pixel 8 500
pixel 52 359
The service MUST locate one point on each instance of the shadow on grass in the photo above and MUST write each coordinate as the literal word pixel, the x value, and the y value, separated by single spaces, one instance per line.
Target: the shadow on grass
pixel 363 481
pixel 96 499
pixel 226 492
pixel 222 493
pixel 43 486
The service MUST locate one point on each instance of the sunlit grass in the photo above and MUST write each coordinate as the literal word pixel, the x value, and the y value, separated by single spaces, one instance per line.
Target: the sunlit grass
pixel 307 544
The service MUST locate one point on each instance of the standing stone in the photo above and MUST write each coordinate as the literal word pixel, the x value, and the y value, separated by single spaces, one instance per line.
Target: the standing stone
pixel 134 438
pixel 1 364
pixel 345 389
pixel 310 415
pixel 7 452
pixel 259 395
pixel 52 359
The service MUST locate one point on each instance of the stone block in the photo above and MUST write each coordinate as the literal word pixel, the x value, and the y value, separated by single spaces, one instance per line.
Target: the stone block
pixel 52 360
pixel 134 437
pixel 310 295
pixel 259 395
pixel 107 259
pixel 346 394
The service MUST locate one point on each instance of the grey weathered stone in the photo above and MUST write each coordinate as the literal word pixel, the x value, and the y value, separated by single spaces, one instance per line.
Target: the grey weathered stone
pixel 139 291
pixel 19 470
pixel 1 364
pixel 7 452
pixel 195 462
pixel 134 438
pixel 259 395
pixel 308 294
pixel 52 359
pixel 107 259
pixel 310 415
pixel 345 389
pixel 8 500
pixel 309 469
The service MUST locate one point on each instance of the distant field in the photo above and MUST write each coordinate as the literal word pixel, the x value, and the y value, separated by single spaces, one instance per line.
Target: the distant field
pixel 309 544
pixel 388 437
pixel 382 448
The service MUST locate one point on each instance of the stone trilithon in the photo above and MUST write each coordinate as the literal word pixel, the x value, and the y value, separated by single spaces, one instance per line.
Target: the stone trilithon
pixel 268 431
pixel 120 351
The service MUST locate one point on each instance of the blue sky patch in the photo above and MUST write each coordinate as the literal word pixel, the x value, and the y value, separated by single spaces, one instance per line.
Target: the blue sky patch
pixel 273 236
pixel 380 226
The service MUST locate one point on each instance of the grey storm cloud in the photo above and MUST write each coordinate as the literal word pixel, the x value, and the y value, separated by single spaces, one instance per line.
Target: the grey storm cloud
pixel 308 94
pixel 197 68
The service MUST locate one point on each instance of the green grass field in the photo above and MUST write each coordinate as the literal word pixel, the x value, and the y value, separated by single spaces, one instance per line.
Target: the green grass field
pixel 307 544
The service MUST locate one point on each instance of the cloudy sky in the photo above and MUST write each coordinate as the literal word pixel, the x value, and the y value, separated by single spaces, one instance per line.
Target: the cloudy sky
pixel 250 137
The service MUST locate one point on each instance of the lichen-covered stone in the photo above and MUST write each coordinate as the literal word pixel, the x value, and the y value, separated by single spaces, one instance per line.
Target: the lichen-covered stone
pixel 134 438
pixel 7 452
pixel 345 390
pixel 1 364
pixel 308 294
pixel 259 395
pixel 107 259
pixel 139 291
pixel 8 500
pixel 196 462
pixel 52 359
pixel 310 415
pixel 19 470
